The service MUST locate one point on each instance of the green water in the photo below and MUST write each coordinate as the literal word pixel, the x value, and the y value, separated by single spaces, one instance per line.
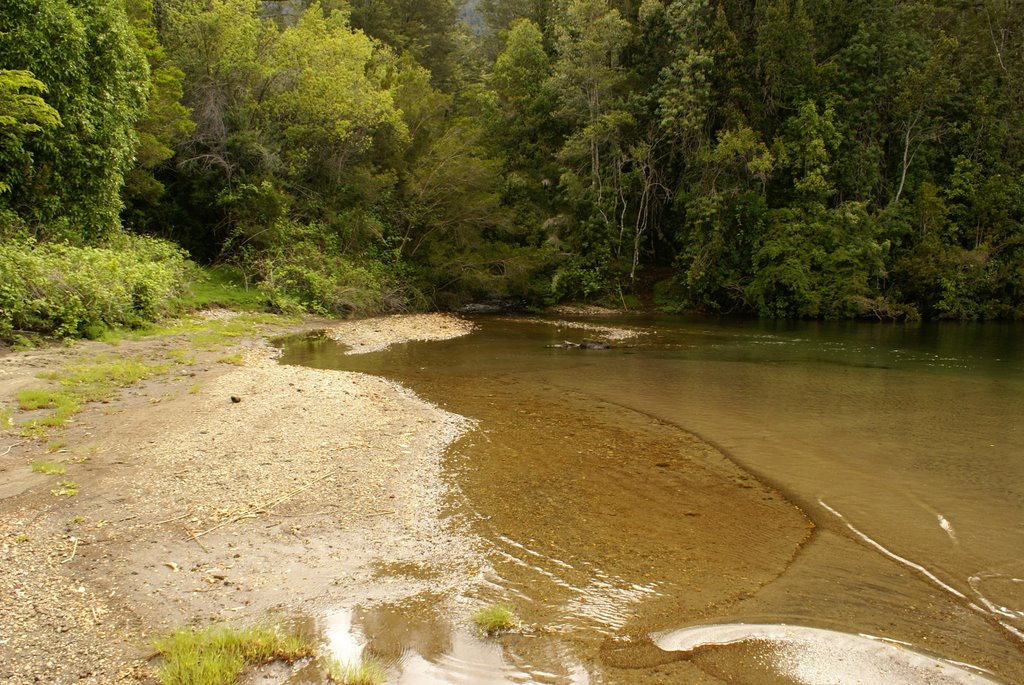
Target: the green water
pixel 873 484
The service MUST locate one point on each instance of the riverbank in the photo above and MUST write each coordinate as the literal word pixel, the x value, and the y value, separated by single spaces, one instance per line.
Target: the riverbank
pixel 226 487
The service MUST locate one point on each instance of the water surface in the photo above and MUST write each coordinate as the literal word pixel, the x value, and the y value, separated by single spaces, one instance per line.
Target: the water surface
pixel 851 478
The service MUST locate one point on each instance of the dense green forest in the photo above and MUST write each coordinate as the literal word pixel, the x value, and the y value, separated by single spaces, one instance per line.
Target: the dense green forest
pixel 785 158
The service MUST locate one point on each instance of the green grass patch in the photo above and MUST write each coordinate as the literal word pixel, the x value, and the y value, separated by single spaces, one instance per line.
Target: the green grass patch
pixel 223 286
pixel 367 671
pixel 31 399
pixel 78 384
pixel 217 655
pixel 6 418
pixel 67 488
pixel 495 618
pixel 236 359
pixel 49 467
pixel 181 356
pixel 99 380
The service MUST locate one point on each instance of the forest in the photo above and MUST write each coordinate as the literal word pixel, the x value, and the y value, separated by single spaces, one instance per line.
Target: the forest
pixel 778 158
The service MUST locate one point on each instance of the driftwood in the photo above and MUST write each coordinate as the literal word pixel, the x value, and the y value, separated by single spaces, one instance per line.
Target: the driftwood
pixel 585 344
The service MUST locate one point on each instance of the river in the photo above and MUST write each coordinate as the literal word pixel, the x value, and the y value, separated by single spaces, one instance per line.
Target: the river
pixel 726 501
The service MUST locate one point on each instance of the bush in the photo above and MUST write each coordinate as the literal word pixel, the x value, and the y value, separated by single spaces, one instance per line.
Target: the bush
pixel 306 268
pixel 63 291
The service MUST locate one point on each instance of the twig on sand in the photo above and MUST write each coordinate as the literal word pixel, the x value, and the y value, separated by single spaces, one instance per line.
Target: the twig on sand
pixel 74 549
pixel 176 518
pixel 11 447
pixel 255 510
pixel 197 540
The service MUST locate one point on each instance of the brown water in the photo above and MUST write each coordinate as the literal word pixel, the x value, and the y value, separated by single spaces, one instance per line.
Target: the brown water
pixel 874 485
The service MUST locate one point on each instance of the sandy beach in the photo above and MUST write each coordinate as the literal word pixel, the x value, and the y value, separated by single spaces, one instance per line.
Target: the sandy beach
pixel 229 488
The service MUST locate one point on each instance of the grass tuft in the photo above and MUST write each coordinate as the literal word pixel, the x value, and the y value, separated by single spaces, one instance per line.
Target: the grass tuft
pixel 78 384
pixel 217 655
pixel 49 467
pixel 68 488
pixel 495 618
pixel 367 671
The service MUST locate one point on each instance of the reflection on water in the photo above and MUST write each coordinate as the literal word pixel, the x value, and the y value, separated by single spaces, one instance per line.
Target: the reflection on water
pixel 779 653
pixel 608 523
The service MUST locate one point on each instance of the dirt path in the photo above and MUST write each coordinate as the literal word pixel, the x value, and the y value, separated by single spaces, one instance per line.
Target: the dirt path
pixel 215 491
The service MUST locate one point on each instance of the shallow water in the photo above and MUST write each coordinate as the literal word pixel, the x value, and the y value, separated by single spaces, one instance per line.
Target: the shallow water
pixel 874 485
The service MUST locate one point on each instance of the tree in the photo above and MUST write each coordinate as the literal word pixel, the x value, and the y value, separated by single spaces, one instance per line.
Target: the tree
pixel 427 30
pixel 327 100
pixel 164 124
pixel 587 75
pixel 85 54
pixel 22 113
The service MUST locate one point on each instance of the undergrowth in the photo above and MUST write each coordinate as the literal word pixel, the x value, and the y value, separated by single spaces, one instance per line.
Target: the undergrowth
pixel 65 291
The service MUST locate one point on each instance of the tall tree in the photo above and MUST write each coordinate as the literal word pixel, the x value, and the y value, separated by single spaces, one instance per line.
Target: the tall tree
pixel 22 113
pixel 85 54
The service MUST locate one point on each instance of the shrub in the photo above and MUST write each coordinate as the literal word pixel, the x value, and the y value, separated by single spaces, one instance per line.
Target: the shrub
pixel 65 291
pixel 306 268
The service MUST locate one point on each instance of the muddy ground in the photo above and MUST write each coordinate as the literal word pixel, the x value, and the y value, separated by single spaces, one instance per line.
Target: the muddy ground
pixel 227 488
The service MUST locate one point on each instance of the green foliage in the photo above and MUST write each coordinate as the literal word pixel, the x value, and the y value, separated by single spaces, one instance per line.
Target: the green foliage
pixel 64 291
pixel 782 157
pixel 223 286
pixel 217 655
pixel 164 124
pixel 304 268
pixel 328 98
pixel 21 114
pixel 64 181
pixel 428 31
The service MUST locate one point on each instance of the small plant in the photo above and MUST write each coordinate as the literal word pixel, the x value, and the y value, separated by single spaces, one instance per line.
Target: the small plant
pixel 363 672
pixel 22 537
pixel 55 446
pixel 68 488
pixel 32 398
pixel 193 389
pixel 217 655
pixel 236 359
pixel 181 356
pixel 48 466
pixel 6 414
pixel 495 619
pixel 79 384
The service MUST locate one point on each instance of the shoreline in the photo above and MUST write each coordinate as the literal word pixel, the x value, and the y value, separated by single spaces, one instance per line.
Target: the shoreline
pixel 221 491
